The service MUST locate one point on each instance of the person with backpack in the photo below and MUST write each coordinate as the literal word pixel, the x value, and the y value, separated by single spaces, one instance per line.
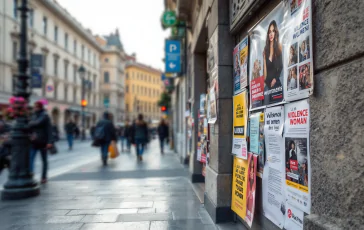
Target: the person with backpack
pixel 105 132
pixel 140 136
pixel 41 137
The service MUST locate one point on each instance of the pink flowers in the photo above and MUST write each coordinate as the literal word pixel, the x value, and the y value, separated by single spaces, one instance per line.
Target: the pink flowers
pixel 18 107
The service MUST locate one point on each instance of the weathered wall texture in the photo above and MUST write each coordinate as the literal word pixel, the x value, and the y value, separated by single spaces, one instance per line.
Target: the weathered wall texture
pixel 337 107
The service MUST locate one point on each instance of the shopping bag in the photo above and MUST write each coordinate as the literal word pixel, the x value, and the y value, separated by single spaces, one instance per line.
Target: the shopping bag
pixel 113 150
pixel 53 150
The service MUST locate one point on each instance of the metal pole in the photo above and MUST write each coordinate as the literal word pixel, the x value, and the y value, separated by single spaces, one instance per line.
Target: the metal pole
pixel 20 183
pixel 83 110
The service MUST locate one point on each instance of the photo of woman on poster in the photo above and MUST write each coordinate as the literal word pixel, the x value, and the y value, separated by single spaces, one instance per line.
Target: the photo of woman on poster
pixel 292 79
pixel 305 77
pixel 292 55
pixel 273 64
pixel 250 200
pixel 236 65
pixel 305 50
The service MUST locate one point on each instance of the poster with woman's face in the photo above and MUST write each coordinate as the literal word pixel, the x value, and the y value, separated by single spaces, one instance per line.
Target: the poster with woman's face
pixel 266 60
pixel 297 47
pixel 251 185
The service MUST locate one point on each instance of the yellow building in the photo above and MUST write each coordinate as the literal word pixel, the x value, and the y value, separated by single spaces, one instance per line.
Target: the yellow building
pixel 142 90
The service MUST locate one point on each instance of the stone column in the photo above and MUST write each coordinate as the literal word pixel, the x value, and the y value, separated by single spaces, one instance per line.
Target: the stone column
pixel 198 87
pixel 219 171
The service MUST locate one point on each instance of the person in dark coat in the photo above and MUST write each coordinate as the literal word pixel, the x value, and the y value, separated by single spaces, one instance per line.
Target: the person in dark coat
pixel 70 129
pixel 41 137
pixel 5 144
pixel 140 136
pixel 55 132
pixel 106 129
pixel 163 133
pixel 92 131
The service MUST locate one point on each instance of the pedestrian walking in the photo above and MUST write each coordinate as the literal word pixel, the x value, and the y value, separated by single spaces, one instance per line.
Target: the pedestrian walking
pixel 105 132
pixel 70 128
pixel 127 135
pixel 77 132
pixel 140 136
pixel 163 133
pixel 41 137
pixel 55 132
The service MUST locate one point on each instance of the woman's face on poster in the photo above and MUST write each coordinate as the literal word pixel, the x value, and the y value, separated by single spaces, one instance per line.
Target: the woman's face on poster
pixel 303 45
pixel 292 146
pixel 272 33
pixel 292 50
pixel 251 172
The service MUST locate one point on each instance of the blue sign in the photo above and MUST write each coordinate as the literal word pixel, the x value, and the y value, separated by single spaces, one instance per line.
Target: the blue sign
pixel 163 77
pixel 173 56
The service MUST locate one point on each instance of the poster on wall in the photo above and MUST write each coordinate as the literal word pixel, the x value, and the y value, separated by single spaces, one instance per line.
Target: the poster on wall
pixel 293 219
pixel 236 60
pixel 250 191
pixel 240 117
pixel 273 176
pixel 297 48
pixel 266 60
pixel 256 136
pixel 238 196
pixel 297 155
pixel 241 81
pixel 202 105
pixel 212 105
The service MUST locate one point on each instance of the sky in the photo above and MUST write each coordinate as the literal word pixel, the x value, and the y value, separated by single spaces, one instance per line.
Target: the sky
pixel 138 22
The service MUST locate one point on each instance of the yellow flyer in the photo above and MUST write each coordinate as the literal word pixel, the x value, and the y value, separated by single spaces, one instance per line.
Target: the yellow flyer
pixel 240 116
pixel 238 196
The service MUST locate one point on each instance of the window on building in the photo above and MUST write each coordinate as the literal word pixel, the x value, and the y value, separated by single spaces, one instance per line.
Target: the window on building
pixel 74 94
pixel 94 60
pixel 74 73
pixel 31 18
pixel 126 75
pixel 94 81
pixel 55 66
pixel 106 60
pixel 95 102
pixel 82 52
pixel 15 50
pixel 133 89
pixel 127 107
pixel 127 89
pixel 66 70
pixel 89 56
pixel 66 41
pixel 75 47
pixel 65 93
pixel 45 25
pixel 15 8
pixel 56 33
pixel 106 77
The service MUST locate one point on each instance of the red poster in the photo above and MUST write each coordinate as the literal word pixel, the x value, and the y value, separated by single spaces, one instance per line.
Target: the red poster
pixel 257 89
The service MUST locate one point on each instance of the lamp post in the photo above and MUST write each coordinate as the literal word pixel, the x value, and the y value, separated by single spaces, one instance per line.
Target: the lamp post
pixel 20 183
pixel 82 72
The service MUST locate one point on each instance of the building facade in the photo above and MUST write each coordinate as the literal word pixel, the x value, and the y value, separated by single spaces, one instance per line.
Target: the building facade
pixel 215 28
pixel 65 46
pixel 143 89
pixel 112 61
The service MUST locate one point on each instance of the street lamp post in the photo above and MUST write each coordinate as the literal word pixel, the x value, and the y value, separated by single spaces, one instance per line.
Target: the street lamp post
pixel 82 72
pixel 20 183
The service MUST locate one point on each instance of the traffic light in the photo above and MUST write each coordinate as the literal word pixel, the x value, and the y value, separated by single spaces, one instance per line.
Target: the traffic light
pixel 83 102
pixel 163 108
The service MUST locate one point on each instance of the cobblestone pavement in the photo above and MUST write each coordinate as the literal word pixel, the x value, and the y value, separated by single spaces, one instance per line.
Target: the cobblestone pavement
pixel 153 194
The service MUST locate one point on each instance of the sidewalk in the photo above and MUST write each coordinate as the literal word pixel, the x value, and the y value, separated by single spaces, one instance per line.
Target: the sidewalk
pixel 153 194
